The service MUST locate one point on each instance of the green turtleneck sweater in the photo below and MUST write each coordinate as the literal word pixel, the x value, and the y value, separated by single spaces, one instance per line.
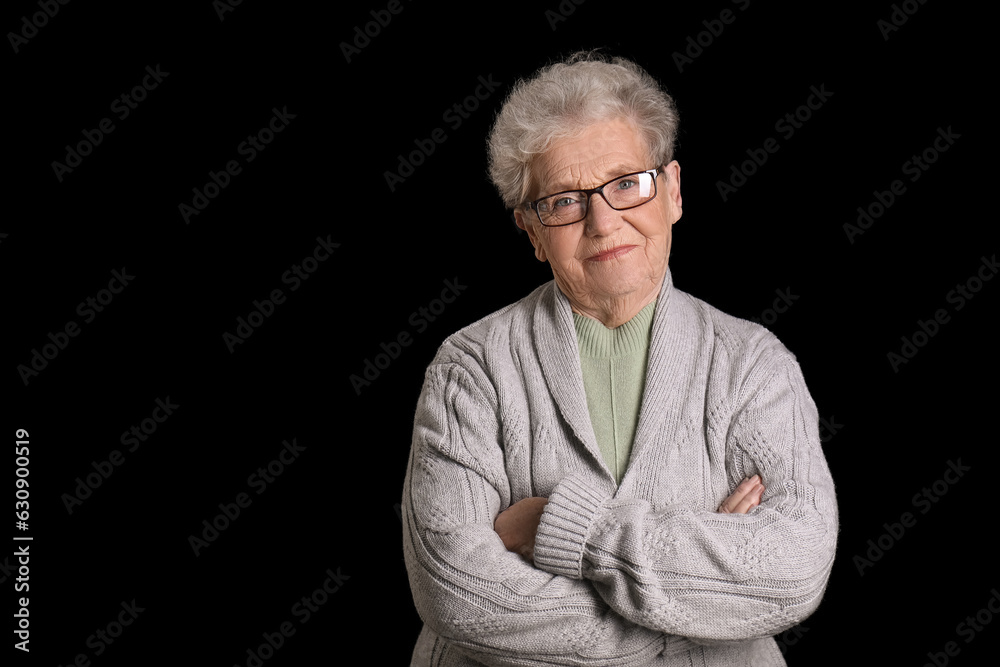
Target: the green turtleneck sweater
pixel 614 373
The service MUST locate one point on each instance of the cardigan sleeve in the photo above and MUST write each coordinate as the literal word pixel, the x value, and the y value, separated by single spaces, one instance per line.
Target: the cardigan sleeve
pixel 700 574
pixel 467 588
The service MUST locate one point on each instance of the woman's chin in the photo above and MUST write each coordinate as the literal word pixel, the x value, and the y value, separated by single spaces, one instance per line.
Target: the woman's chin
pixel 619 282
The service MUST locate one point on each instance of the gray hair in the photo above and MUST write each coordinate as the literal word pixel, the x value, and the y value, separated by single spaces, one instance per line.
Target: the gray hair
pixel 562 100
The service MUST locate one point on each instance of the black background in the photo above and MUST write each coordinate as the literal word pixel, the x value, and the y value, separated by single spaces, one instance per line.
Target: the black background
pixel 323 176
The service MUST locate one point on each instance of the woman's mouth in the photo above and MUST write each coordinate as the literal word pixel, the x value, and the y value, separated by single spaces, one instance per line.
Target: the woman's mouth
pixel 617 251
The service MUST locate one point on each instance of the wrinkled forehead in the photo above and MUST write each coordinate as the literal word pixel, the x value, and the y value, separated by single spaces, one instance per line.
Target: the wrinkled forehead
pixel 596 154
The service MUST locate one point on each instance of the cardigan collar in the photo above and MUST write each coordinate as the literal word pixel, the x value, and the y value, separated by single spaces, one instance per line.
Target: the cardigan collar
pixel 556 346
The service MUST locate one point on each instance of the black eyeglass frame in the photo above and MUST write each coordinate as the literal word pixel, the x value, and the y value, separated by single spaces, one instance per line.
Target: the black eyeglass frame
pixel 533 205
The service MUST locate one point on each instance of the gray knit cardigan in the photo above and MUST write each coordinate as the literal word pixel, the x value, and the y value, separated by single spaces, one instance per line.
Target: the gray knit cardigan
pixel 642 573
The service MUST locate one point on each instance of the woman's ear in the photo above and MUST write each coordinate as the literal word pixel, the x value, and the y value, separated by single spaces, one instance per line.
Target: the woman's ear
pixel 521 220
pixel 672 172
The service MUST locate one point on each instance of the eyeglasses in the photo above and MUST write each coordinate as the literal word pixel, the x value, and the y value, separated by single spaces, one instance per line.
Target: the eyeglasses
pixel 571 206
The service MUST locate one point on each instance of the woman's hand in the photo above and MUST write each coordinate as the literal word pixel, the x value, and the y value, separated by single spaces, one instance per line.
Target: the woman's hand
pixel 518 524
pixel 744 498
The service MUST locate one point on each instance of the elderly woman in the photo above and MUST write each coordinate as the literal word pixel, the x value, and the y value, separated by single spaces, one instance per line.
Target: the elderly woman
pixel 610 471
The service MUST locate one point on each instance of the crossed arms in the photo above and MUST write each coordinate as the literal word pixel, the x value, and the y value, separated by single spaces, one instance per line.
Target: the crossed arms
pixel 650 581
pixel 518 524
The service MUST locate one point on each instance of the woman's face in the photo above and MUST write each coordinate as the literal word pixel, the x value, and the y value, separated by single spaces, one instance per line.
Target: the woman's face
pixel 609 255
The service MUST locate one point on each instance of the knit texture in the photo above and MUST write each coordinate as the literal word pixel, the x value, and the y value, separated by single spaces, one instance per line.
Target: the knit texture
pixel 641 573
pixel 613 363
